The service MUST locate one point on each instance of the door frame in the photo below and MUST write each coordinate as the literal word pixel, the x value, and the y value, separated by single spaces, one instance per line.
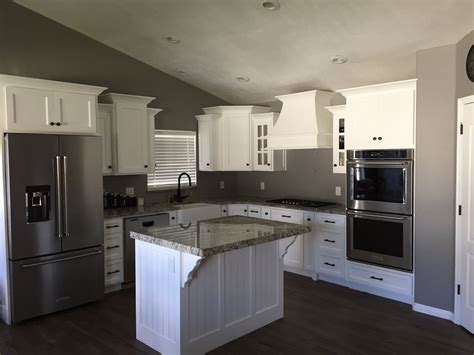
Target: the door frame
pixel 457 276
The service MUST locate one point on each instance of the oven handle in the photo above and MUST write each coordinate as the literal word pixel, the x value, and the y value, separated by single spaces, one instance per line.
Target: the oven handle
pixel 370 215
pixel 380 162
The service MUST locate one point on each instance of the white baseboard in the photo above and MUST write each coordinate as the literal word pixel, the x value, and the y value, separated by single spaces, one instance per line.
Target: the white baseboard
pixel 432 311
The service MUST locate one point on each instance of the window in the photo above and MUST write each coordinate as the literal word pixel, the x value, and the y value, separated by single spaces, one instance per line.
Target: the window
pixel 175 153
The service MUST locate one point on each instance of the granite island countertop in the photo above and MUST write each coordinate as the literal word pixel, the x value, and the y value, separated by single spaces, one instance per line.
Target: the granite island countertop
pixel 124 212
pixel 215 236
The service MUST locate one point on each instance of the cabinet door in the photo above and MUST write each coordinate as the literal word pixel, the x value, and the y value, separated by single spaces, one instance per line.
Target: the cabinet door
pixel 262 156
pixel 396 120
pixel 363 123
pixel 29 110
pixel 205 144
pixel 76 113
pixel 132 139
pixel 310 244
pixel 104 129
pixel 236 142
pixel 237 210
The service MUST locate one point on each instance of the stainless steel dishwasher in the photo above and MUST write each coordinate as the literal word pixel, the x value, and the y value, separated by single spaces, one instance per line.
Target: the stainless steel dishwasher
pixel 135 224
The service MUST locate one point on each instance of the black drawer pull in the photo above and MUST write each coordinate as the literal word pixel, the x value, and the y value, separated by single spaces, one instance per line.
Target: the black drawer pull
pixel 112 226
pixel 266 213
pixel 253 211
pixel 173 218
pixel 308 219
pixel 113 272
pixel 115 246
pixel 224 211
pixel 329 264
pixel 245 211
pixel 148 224
pixel 329 241
pixel 376 278
pixel 286 216
pixel 332 222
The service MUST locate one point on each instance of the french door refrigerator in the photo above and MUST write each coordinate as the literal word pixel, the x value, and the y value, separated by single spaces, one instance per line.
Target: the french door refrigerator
pixel 55 222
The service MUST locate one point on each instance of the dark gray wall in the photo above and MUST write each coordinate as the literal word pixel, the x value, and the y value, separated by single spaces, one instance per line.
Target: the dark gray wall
pixel 309 176
pixel 435 177
pixel 34 46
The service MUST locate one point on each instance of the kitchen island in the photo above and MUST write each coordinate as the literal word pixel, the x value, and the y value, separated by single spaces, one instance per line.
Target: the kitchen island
pixel 204 284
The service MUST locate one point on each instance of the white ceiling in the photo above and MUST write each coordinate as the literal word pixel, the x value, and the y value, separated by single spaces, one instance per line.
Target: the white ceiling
pixel 281 52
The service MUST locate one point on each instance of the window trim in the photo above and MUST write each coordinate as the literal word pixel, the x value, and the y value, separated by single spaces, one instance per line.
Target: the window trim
pixel 184 182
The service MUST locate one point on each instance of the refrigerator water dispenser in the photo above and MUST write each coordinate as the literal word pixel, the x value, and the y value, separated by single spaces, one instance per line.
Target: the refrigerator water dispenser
pixel 37 203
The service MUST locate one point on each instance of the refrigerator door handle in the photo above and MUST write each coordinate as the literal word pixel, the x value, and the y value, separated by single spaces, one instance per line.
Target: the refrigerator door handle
pixel 59 197
pixel 25 266
pixel 65 200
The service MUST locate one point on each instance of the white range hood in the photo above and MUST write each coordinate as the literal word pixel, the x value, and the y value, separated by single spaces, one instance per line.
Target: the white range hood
pixel 303 123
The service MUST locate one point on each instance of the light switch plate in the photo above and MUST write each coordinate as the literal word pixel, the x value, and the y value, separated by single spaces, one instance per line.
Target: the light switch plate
pixel 222 185
pixel 338 191
pixel 262 185
pixel 130 191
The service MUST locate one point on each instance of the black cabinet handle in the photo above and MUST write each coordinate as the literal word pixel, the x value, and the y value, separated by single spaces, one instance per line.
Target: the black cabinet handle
pixel 247 164
pixel 376 278
pixel 332 222
pixel 115 246
pixel 268 164
pixel 308 219
pixel 266 213
pixel 110 166
pixel 113 272
pixel 208 164
pixel 112 226
pixel 284 215
pixel 51 123
pixel 224 211
pixel 329 241
pixel 329 264
pixel 380 138
pixel 374 138
pixel 253 211
pixel 173 218
pixel 146 166
pixel 335 165
pixel 58 124
pixel 245 210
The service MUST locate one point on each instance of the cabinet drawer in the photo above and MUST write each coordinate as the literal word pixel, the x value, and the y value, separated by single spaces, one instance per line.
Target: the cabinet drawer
pixel 254 211
pixel 394 281
pixel 289 216
pixel 113 248
pixel 113 272
pixel 331 242
pixel 238 210
pixel 331 222
pixel 266 213
pixel 331 265
pixel 112 226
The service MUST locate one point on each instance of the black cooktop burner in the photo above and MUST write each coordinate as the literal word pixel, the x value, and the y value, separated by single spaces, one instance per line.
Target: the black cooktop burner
pixel 303 203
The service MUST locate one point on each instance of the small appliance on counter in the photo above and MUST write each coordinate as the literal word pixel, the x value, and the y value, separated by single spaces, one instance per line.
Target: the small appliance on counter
pixel 380 207
pixel 114 200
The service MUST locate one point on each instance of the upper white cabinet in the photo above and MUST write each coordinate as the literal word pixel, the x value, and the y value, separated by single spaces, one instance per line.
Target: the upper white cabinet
pixel 338 144
pixel 104 129
pixel 44 106
pixel 132 133
pixel 229 138
pixel 381 116
pixel 264 158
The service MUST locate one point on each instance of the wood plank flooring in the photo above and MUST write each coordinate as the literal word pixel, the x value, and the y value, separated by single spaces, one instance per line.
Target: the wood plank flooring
pixel 320 318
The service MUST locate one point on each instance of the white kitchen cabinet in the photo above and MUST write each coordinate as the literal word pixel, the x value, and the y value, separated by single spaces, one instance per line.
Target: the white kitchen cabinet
pixel 152 112
pixel 254 211
pixel 381 116
pixel 44 106
pixel 113 254
pixel 264 158
pixel 237 210
pixel 310 244
pixel 229 145
pixel 132 133
pixel 338 144
pixel 208 142
pixel 104 130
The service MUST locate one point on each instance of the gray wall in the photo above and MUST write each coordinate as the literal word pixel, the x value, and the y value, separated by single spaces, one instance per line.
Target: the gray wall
pixel 33 46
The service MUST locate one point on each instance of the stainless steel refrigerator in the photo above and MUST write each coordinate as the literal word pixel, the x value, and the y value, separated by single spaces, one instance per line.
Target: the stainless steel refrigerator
pixel 55 222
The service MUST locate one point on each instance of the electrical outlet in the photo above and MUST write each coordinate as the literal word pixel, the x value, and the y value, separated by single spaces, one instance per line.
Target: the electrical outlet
pixel 338 191
pixel 262 185
pixel 222 185
pixel 130 191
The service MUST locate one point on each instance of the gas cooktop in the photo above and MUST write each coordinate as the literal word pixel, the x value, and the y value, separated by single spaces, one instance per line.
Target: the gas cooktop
pixel 303 203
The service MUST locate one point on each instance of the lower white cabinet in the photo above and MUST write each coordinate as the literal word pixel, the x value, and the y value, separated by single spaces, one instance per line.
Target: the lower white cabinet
pixel 381 281
pixel 237 210
pixel 254 211
pixel 310 244
pixel 113 254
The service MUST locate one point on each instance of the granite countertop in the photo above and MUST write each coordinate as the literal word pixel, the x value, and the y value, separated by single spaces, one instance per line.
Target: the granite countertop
pixel 165 207
pixel 215 236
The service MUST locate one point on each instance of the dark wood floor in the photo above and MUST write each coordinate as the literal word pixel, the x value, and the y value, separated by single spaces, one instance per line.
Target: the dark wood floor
pixel 320 318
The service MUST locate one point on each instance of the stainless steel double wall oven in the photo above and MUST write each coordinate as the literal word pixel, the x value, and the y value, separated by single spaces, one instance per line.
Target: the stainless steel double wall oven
pixel 380 207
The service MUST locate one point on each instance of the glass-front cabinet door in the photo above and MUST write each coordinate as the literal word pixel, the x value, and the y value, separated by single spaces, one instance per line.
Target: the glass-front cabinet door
pixel 265 159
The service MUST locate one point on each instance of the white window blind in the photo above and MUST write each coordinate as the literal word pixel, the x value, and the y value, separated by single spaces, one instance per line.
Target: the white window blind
pixel 175 153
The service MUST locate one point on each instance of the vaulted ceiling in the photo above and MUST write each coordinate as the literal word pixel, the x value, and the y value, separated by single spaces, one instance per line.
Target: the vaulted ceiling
pixel 280 51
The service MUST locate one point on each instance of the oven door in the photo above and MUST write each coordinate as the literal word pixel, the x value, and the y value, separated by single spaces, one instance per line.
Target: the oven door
pixel 380 239
pixel 381 186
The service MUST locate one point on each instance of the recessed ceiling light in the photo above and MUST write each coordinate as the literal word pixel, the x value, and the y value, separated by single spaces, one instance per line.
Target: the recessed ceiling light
pixel 182 72
pixel 337 59
pixel 243 79
pixel 273 5
pixel 172 39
